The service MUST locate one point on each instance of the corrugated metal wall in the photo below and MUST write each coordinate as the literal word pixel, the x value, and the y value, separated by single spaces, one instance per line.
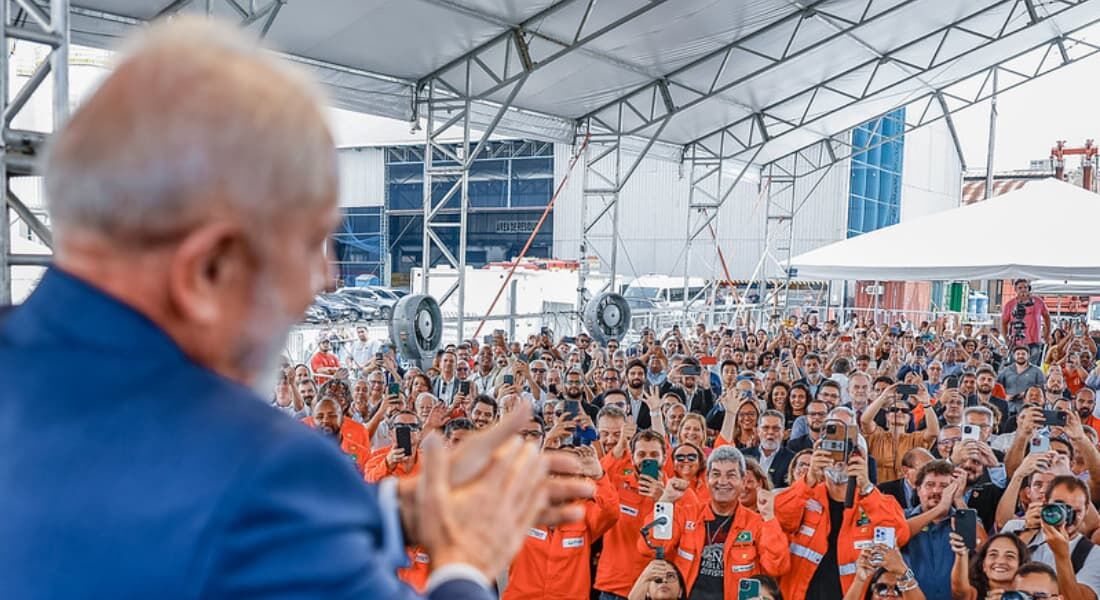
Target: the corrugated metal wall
pixel 362 177
pixel 653 220
pixel 932 180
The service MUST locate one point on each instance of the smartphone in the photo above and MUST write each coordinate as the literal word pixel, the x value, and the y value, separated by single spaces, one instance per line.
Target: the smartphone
pixel 403 438
pixel 885 536
pixel 836 441
pixel 949 344
pixel 378 356
pixel 1040 444
pixel 651 469
pixel 573 408
pixel 464 388
pixel 708 361
pixel 966 525
pixel 394 389
pixel 1055 418
pixel 569 340
pixel 663 531
pixel 908 389
pixel 509 379
pixel 845 338
pixel 748 589
pixel 971 432
pixel 689 370
pixel 951 382
pixel 487 340
pixel 553 389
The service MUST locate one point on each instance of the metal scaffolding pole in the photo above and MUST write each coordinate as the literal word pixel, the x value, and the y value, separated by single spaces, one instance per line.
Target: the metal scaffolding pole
pixel 20 148
pixel 447 104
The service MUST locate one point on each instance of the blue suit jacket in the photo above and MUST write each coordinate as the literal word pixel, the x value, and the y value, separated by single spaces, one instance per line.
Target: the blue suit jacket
pixel 129 471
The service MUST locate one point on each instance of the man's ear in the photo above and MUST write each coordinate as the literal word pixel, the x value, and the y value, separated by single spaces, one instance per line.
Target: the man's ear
pixel 208 267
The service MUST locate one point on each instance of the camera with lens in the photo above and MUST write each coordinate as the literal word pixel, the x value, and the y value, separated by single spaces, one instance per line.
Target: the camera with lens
pixel 1016 595
pixel 1058 513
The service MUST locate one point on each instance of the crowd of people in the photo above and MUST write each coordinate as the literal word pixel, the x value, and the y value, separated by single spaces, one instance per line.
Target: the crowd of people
pixel 807 458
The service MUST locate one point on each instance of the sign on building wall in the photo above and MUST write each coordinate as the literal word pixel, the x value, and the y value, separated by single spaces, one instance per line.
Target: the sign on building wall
pixel 515 226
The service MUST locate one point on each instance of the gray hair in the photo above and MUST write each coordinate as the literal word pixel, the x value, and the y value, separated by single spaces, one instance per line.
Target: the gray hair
pixel 197 122
pixel 978 410
pixel 773 413
pixel 726 454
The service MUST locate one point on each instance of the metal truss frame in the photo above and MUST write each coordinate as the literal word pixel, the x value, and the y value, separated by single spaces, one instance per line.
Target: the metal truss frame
pixel 492 75
pixel 941 103
pixel 265 13
pixel 933 105
pixel 49 26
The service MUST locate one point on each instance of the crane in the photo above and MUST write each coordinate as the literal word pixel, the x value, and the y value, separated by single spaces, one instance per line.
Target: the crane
pixel 1088 153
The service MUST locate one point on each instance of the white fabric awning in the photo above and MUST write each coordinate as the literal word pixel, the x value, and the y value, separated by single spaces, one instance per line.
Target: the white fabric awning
pixel 1062 287
pixel 1046 230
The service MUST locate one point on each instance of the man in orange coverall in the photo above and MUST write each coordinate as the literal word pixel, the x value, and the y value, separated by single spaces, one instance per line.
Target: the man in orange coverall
pixel 554 561
pixel 719 543
pixel 827 538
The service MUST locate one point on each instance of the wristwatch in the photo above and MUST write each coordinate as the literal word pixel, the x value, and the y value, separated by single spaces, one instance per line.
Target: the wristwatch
pixel 867 489
pixel 907 582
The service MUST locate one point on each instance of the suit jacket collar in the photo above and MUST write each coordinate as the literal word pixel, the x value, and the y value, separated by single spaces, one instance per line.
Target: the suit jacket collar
pixel 66 310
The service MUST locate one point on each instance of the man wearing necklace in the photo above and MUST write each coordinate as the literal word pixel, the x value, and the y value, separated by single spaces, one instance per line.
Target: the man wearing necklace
pixel 723 542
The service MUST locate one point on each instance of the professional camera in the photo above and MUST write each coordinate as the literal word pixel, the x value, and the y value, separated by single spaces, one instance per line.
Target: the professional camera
pixel 1058 513
pixel 1018 324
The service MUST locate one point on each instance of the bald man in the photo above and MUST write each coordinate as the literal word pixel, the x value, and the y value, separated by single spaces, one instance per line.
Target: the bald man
pixel 191 198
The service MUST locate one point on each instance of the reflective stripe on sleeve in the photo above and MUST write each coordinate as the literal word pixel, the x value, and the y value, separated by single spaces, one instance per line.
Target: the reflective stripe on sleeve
pixel 847 569
pixel 804 552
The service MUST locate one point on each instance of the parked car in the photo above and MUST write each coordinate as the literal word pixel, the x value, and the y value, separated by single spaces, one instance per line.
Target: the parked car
pixel 341 309
pixel 370 297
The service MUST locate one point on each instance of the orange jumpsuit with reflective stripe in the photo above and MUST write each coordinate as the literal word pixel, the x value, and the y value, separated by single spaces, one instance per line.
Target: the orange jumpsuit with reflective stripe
pixel 803 512
pixel 554 562
pixel 753 547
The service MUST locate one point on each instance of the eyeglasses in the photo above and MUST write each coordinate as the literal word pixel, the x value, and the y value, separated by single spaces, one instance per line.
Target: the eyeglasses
pixel 897 409
pixel 530 434
pixel 686 457
pixel 609 379
pixel 816 414
pixel 538 370
pixel 885 589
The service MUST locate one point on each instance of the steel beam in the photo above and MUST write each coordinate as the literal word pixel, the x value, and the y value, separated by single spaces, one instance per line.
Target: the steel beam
pixel 972 88
pixel 47 25
pixel 745 132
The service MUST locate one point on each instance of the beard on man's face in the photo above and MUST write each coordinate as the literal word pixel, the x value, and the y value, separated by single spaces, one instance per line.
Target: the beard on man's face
pixel 262 337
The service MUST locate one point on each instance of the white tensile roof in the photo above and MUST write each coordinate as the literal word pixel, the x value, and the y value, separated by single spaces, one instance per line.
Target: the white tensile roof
pixel 750 80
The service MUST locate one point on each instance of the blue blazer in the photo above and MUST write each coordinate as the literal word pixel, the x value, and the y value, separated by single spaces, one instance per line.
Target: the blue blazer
pixel 129 471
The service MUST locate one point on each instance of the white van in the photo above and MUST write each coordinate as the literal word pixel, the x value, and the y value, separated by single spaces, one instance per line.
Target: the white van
pixel 650 292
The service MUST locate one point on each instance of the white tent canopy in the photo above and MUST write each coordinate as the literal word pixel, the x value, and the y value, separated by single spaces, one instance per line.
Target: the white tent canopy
pixel 1047 230
pixel 1062 287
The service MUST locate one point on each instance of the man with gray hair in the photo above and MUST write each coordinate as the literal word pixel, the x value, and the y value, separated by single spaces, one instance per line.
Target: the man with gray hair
pixel 771 453
pixel 192 196
pixel 727 542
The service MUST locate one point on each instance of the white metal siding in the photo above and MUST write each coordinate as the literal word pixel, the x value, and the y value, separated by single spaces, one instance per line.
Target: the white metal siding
pixel 362 177
pixel 932 175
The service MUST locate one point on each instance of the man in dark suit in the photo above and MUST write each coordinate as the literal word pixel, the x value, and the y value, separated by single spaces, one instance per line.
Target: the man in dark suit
pixel 183 255
pixel 904 489
pixel 771 453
